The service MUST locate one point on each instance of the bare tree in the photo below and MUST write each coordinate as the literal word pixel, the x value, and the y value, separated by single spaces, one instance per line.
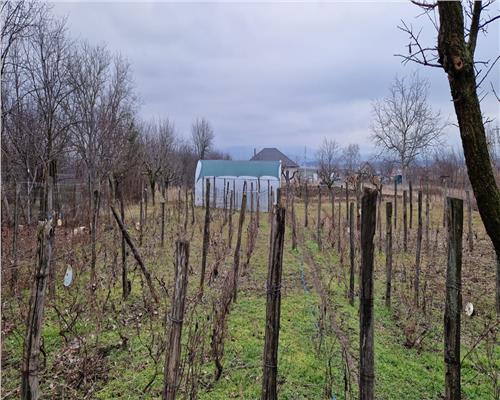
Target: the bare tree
pixel 202 136
pixel 404 124
pixel 328 158
pixel 159 142
pixel 351 158
pixel 47 75
pixel 17 20
pixel 89 80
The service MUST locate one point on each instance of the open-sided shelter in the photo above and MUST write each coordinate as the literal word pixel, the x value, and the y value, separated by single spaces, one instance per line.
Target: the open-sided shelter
pixel 230 176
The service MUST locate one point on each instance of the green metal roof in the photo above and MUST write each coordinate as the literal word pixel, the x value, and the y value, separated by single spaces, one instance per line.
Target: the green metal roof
pixel 239 168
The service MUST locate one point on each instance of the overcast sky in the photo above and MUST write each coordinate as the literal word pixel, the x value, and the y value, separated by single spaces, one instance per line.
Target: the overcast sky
pixel 280 75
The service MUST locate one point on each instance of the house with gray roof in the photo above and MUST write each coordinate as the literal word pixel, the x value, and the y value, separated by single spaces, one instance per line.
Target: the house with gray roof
pixel 288 167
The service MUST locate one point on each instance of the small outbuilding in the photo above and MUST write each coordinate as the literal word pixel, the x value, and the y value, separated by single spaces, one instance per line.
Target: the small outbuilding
pixel 288 167
pixel 228 178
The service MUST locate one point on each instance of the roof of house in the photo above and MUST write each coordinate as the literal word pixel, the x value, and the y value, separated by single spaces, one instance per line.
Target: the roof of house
pixel 231 168
pixel 273 154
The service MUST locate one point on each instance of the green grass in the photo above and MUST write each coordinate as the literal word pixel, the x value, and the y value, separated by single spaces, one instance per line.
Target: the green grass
pixel 304 350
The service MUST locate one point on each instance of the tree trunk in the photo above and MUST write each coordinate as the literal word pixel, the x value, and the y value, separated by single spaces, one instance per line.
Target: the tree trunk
pixel 458 61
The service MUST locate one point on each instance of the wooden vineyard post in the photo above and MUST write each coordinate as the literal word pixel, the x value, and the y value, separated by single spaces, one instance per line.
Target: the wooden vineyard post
pixel 137 256
pixel 173 355
pixel 346 203
pixel 306 203
pixel 206 238
pixel 13 273
pixel 30 388
pixel 230 220
pixel 272 205
pixel 445 202
pixel 388 253
pixel 273 307
pixel 427 220
pixel 179 206
pixel 357 189
pixel 410 193
pixel 141 221
pixel 192 207
pixel 125 284
pixel 379 218
pixel 269 196
pixel 258 204
pixel 405 222
pixel 419 248
pixel 318 222
pixel 294 224
pixel 453 303
pixel 162 205
pixel 238 242
pixel 332 226
pixel 339 228
pixel 226 200
pixel 470 238
pixel 366 320
pixel 186 209
pixel 145 204
pixel 214 200
pixel 251 201
pixel 51 215
pixel 352 253
pixel 395 203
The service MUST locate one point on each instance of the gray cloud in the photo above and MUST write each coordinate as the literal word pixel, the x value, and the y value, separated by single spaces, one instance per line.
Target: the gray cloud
pixel 280 74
